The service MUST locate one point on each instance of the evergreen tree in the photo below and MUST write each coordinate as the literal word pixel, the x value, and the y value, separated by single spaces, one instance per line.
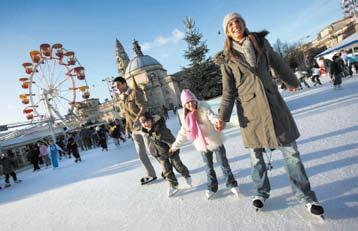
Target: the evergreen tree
pixel 203 75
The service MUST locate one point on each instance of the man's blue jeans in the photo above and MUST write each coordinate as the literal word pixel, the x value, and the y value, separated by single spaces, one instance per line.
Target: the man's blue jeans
pixel 225 167
pixel 296 173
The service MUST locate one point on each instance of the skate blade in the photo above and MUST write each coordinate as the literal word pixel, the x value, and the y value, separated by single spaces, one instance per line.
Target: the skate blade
pixel 173 193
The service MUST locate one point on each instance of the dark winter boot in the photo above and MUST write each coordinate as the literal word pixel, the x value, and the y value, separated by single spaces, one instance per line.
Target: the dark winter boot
pixel 315 208
pixel 258 202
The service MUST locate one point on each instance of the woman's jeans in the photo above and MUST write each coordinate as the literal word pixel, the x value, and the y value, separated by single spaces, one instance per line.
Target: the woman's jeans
pixel 296 173
pixel 225 167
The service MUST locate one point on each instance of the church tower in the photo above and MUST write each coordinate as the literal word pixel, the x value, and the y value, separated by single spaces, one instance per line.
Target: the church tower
pixel 121 58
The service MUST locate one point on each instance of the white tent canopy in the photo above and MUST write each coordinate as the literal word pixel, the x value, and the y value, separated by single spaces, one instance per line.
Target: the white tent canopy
pixel 347 43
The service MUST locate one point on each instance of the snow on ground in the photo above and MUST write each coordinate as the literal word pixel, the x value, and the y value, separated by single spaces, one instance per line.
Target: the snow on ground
pixel 103 192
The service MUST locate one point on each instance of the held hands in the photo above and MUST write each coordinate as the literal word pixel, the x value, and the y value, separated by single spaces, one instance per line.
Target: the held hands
pixel 171 151
pixel 219 125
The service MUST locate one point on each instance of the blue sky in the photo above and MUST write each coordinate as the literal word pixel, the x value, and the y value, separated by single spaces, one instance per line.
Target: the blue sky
pixel 90 28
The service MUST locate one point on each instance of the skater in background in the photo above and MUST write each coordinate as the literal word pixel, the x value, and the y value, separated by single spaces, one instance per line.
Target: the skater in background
pixel 352 61
pixel 72 148
pixel 54 149
pixel 336 72
pixel 162 138
pixel 86 137
pixel 264 118
pixel 102 137
pixel 301 76
pixel 33 156
pixel 79 140
pixel 315 75
pixel 198 127
pixel 44 153
pixel 115 130
pixel 8 167
pixel 61 144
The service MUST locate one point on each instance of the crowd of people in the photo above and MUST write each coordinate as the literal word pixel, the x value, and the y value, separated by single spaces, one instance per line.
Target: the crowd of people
pixel 46 152
pixel 340 66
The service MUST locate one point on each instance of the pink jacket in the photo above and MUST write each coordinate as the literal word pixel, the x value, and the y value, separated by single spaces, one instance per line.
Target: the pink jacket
pixel 43 150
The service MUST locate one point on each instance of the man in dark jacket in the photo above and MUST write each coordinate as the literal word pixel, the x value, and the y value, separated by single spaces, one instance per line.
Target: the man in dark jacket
pixel 33 156
pixel 73 148
pixel 162 138
pixel 102 137
pixel 336 72
pixel 8 167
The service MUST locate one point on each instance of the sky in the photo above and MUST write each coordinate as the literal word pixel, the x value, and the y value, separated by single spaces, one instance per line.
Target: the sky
pixel 90 28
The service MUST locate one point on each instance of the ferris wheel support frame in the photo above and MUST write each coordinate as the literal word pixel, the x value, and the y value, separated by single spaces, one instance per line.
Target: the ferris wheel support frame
pixel 51 121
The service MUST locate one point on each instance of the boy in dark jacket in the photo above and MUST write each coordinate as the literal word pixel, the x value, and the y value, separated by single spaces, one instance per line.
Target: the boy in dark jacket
pixel 161 139
pixel 8 167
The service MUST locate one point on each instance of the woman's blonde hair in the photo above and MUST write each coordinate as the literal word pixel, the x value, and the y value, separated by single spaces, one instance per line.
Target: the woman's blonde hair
pixel 228 40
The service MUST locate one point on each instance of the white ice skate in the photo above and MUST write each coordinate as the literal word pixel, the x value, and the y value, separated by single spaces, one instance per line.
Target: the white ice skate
pixel 172 190
pixel 209 194
pixel 235 191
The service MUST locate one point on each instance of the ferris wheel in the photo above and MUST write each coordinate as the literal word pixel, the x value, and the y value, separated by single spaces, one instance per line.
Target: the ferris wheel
pixel 53 81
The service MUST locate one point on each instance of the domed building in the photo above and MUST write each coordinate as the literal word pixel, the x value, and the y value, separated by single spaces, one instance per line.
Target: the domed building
pixel 146 73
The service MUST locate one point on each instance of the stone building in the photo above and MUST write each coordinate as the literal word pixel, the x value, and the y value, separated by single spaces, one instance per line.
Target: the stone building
pixel 146 73
pixel 334 33
pixel 88 111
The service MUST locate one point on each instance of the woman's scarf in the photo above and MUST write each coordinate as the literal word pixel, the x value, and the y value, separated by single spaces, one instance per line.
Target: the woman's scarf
pixel 193 130
pixel 247 50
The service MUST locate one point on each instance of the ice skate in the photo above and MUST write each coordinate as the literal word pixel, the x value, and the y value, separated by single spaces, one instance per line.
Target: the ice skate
pixel 7 185
pixel 209 194
pixel 148 179
pixel 172 190
pixel 315 209
pixel 258 202
pixel 235 191
pixel 189 182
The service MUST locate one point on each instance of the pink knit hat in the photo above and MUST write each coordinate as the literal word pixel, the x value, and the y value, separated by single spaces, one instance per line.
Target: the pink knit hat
pixel 187 96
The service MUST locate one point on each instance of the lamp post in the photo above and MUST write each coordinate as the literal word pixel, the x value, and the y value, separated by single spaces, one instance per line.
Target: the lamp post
pixel 109 81
pixel 302 49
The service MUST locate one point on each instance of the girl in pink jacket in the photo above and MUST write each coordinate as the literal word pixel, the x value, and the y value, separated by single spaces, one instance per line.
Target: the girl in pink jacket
pixel 198 127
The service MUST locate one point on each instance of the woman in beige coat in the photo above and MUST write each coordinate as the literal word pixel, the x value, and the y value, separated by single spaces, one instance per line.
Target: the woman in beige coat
pixel 265 120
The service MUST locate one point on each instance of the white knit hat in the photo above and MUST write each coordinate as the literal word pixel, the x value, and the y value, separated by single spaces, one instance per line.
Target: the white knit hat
pixel 230 16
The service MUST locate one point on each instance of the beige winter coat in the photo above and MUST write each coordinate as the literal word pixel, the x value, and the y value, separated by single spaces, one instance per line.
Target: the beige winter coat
pixel 265 120
pixel 133 104
pixel 206 118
